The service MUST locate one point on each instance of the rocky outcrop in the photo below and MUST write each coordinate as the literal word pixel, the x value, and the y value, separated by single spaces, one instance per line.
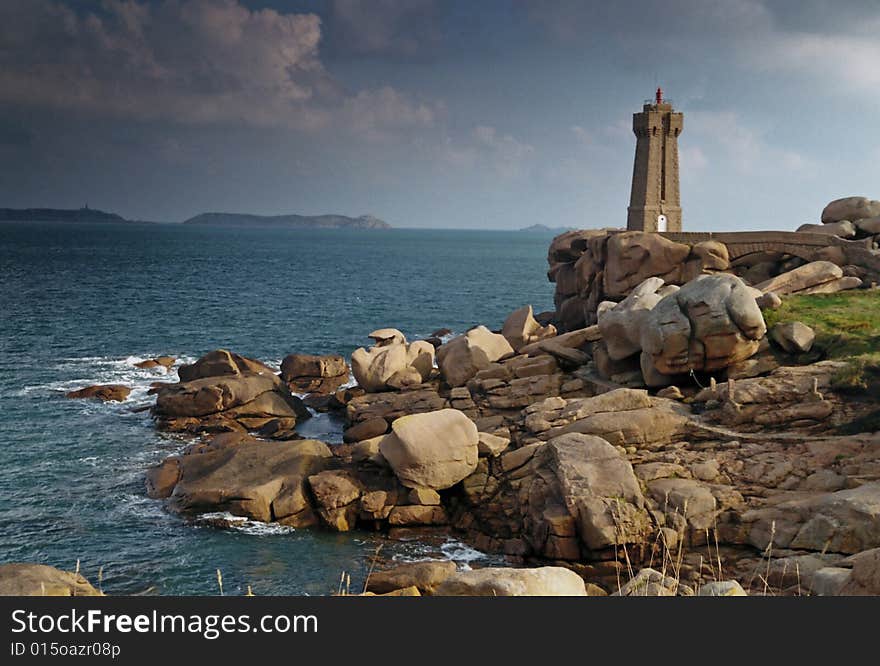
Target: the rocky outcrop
pixel 635 256
pixel 434 450
pixel 802 279
pixel 869 226
pixel 842 229
pixel 623 417
pixel 425 576
pixel 210 395
pixel 590 267
pixel 622 324
pixel 706 325
pixel 103 392
pixel 521 328
pixel 787 395
pixel 335 494
pixel 39 580
pixel 507 582
pixel 864 578
pixel 392 405
pixel 243 395
pixel 794 337
pixel 561 500
pixel 264 481
pixel 306 373
pixel 166 362
pixel 850 208
pixel 845 521
pixel 649 582
pixel 392 363
pixel 462 357
pixel 372 427
pixel 221 362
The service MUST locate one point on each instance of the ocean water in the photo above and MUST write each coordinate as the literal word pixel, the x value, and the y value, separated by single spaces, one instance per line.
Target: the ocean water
pixel 80 304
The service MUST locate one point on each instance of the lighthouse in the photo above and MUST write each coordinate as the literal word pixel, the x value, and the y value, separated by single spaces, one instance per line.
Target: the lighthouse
pixel 655 202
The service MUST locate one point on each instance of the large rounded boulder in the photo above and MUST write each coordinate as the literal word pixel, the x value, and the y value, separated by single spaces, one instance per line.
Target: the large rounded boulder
pixel 464 356
pixel 708 324
pixel 509 582
pixel 392 362
pixel 39 580
pixel 433 450
pixel 850 208
pixel 222 362
pixel 621 325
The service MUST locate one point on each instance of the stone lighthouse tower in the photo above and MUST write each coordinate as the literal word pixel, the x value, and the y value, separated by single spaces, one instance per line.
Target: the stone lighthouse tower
pixel 655 204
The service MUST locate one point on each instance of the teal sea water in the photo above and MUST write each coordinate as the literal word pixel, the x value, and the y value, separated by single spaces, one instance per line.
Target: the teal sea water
pixel 80 304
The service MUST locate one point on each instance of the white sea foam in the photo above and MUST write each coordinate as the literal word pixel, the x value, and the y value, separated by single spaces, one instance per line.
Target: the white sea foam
pixel 461 552
pixel 451 550
pixel 246 525
pixel 85 371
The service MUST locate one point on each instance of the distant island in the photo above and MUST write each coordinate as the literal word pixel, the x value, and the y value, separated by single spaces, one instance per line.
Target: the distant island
pixel 289 221
pixel 84 214
pixel 544 229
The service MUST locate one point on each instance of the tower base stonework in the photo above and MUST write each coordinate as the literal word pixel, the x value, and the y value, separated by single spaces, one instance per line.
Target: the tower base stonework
pixel 647 218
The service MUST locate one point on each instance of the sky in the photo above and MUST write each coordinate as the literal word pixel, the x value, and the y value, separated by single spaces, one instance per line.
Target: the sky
pixel 436 113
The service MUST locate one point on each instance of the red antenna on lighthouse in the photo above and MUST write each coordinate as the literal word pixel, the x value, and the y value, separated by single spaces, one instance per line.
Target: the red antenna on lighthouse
pixel 659 95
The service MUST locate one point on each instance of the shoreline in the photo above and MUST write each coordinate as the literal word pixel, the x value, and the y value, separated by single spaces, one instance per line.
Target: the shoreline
pixel 609 448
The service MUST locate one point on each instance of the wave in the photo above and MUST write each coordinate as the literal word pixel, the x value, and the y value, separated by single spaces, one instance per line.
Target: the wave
pixel 226 520
pixel 451 550
pixel 79 372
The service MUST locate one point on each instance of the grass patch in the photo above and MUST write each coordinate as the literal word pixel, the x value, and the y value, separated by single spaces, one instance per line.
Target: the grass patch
pixel 847 326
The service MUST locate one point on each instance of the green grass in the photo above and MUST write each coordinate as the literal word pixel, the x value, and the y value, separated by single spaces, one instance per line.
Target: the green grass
pixel 847 326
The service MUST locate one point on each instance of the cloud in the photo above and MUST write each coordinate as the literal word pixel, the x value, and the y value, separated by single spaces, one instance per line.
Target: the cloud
pixel 668 24
pixel 746 148
pixel 847 62
pixel 486 149
pixel 385 28
pixel 187 61
pixel 373 112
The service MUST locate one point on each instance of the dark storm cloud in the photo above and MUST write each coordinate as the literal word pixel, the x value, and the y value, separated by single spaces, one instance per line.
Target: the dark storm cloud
pixel 186 61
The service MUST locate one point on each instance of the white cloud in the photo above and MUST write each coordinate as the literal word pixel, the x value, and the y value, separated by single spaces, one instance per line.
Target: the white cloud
pixel 486 148
pixel 847 62
pixel 375 111
pixel 739 144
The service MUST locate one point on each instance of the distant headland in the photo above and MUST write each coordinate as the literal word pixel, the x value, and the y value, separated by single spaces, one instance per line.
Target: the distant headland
pixel 91 215
pixel 289 221
pixel 544 229
pixel 84 214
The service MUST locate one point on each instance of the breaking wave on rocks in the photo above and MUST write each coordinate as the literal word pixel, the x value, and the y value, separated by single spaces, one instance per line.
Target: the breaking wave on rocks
pixel 226 520
pixel 70 374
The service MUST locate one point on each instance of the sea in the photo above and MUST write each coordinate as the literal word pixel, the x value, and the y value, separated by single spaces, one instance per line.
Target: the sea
pixel 80 304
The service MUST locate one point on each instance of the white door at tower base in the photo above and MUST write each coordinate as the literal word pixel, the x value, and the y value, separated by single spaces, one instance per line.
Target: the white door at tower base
pixel 661 223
